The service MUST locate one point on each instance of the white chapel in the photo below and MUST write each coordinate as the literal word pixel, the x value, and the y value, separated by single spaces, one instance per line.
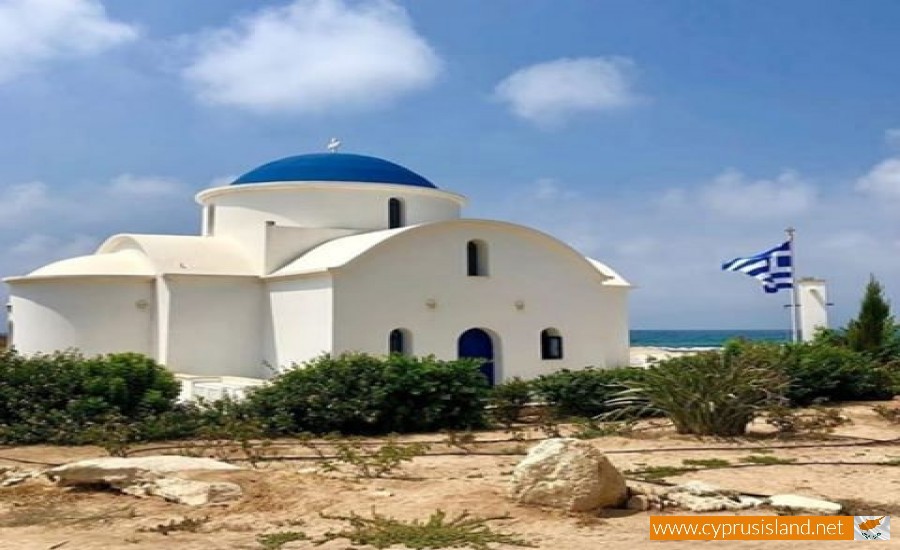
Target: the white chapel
pixel 331 253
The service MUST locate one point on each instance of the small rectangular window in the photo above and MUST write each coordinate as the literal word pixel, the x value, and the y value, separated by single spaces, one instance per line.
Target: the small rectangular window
pixel 476 259
pixel 552 347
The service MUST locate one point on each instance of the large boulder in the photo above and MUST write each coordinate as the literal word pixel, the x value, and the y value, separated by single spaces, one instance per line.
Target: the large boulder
pixel 569 474
pixel 123 472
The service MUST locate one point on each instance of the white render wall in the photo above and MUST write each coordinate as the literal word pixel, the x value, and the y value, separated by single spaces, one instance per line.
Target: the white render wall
pixel 242 211
pixel 94 315
pixel 215 324
pixel 812 298
pixel 300 312
pixel 390 286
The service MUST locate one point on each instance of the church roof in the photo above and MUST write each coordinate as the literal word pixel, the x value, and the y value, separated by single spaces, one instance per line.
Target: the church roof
pixel 184 254
pixel 341 167
pixel 121 263
pixel 338 252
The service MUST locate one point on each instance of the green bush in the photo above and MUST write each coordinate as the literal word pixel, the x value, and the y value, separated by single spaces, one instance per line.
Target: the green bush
pixel 509 398
pixel 54 398
pixel 710 393
pixel 363 394
pixel 822 370
pixel 586 392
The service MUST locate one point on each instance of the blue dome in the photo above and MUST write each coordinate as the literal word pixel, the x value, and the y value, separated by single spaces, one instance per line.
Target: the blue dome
pixel 334 167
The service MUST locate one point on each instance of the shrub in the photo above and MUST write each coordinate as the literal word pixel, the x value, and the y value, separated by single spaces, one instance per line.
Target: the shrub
pixel 508 399
pixel 822 370
pixel 585 392
pixel 438 531
pixel 362 394
pixel 830 373
pixel 711 393
pixel 54 398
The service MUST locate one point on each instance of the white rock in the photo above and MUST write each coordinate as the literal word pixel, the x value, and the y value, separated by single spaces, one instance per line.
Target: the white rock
pixel 195 493
pixel 751 502
pixel 804 504
pixel 123 472
pixel 714 503
pixel 700 488
pixel 15 476
pixel 569 474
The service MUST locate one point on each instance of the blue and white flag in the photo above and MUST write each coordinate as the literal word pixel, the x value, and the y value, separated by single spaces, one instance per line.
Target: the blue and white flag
pixel 773 268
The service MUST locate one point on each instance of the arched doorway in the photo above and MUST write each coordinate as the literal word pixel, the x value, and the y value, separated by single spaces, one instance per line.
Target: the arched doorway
pixel 478 344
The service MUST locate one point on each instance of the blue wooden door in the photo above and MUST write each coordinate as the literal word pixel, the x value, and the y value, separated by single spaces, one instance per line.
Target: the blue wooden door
pixel 477 344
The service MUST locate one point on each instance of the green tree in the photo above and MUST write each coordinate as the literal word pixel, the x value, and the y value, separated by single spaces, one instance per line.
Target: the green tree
pixel 874 326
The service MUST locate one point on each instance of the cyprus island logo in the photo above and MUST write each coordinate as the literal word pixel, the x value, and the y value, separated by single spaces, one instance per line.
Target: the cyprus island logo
pixel 871 527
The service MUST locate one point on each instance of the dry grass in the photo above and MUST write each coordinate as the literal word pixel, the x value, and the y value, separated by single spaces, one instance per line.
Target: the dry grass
pixel 282 504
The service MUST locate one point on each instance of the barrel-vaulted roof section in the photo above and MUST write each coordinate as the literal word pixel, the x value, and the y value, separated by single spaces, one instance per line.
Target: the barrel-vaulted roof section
pixel 116 264
pixel 189 255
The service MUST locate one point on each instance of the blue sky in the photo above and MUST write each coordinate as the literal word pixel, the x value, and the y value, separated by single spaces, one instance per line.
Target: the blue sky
pixel 660 137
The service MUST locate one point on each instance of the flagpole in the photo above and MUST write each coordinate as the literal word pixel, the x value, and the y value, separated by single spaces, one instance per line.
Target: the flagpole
pixel 795 336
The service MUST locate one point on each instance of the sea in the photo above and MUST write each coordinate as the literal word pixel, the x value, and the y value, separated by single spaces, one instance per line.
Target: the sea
pixel 703 338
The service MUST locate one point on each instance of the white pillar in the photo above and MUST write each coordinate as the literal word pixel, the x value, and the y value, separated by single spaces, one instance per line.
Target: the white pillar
pixel 812 298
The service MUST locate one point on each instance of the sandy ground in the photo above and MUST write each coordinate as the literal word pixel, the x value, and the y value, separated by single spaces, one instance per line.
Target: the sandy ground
pixel 288 495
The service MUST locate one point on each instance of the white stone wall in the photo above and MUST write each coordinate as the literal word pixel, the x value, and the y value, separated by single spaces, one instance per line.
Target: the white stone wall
pixel 215 325
pixel 392 286
pixel 301 328
pixel 331 205
pixel 95 315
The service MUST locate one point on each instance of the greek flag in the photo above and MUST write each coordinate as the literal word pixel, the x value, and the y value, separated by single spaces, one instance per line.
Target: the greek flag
pixel 773 268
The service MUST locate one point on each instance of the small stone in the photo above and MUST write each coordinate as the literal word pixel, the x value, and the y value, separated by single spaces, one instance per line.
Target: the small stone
pixel 751 502
pixel 805 504
pixel 14 476
pixel 638 502
pixel 700 488
pixel 195 493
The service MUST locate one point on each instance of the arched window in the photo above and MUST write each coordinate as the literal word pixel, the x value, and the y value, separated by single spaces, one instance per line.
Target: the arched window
pixel 476 259
pixel 399 341
pixel 395 213
pixel 551 344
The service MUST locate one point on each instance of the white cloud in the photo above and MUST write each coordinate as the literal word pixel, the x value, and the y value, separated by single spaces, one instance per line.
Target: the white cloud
pixel 22 201
pixel 882 181
pixel 731 194
pixel 33 32
pixel 40 246
pixel 145 186
pixel 312 56
pixel 551 189
pixel 549 93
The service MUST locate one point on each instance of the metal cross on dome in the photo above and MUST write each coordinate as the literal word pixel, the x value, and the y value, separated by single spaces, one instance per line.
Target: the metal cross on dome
pixel 333 145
